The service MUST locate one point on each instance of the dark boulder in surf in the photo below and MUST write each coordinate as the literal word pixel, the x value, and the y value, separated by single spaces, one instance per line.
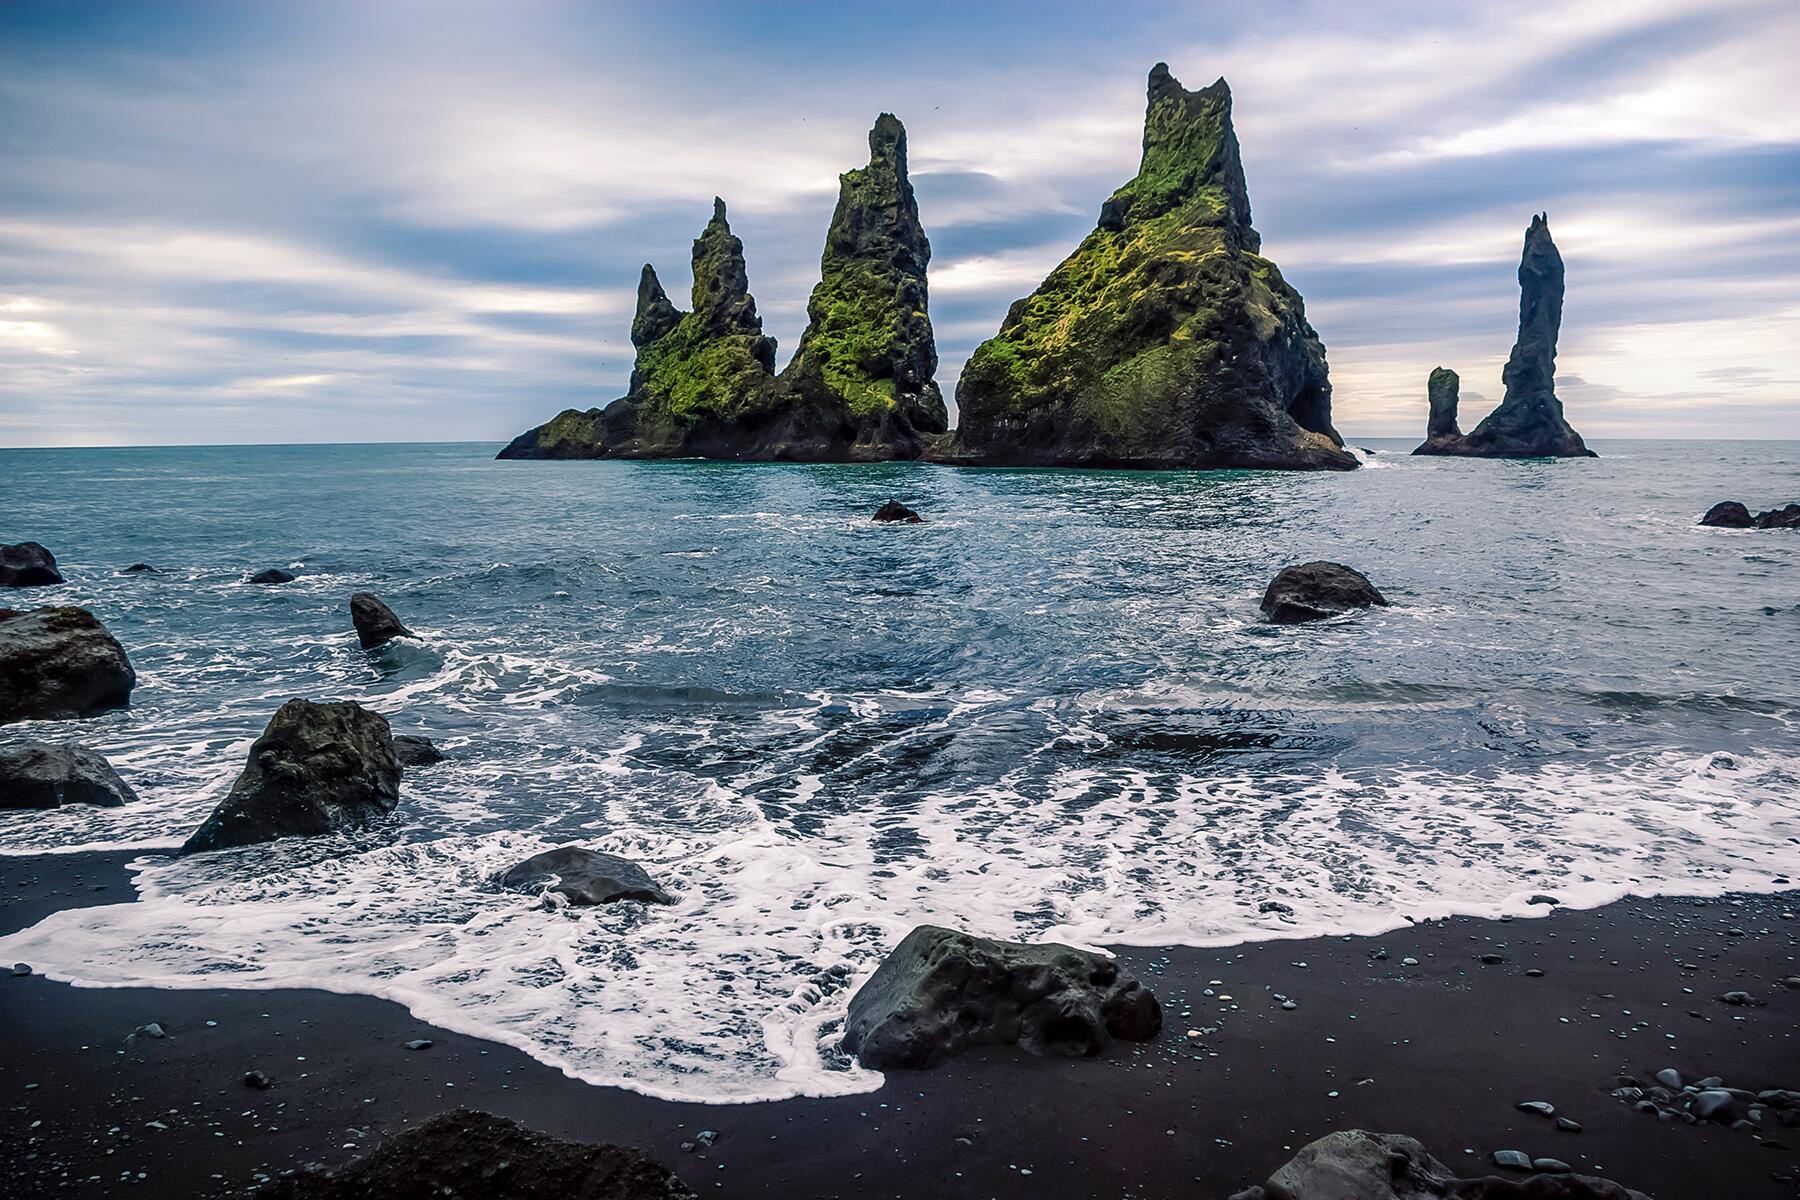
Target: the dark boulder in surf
pixel 1780 518
pixel 893 510
pixel 60 662
pixel 27 565
pixel 46 775
pixel 273 575
pixel 478 1154
pixel 415 750
pixel 140 569
pixel 1728 514
pixel 1316 590
pixel 317 768
pixel 1354 1164
pixel 376 624
pixel 941 991
pixel 583 876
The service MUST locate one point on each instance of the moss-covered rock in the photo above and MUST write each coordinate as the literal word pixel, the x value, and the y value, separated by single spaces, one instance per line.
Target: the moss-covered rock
pixel 867 357
pixel 1165 339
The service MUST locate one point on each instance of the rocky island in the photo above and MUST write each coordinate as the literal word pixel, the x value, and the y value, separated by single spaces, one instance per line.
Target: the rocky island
pixel 1529 422
pixel 1165 339
pixel 860 387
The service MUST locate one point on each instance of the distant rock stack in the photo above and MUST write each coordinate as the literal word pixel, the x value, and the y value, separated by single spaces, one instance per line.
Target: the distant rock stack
pixel 1529 422
pixel 1165 339
pixel 868 356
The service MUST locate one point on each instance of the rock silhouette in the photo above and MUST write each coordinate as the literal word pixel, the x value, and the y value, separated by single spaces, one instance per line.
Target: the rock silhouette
pixel 375 622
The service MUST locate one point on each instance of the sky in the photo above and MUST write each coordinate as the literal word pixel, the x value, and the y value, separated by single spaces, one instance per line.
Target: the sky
pixel 399 221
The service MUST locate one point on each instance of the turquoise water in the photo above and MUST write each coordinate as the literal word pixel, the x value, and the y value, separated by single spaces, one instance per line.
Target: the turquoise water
pixel 1049 711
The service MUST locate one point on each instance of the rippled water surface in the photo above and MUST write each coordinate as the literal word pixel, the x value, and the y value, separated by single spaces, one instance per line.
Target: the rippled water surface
pixel 1051 711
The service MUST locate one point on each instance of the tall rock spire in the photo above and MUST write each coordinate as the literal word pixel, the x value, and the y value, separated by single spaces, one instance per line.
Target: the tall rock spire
pixel 868 350
pixel 722 300
pixel 655 314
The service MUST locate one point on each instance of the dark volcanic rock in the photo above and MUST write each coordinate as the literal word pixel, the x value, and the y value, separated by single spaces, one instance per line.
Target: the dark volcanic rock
pixel 60 662
pixel 1529 422
pixel 1315 590
pixel 415 751
pixel 1165 339
pixel 1441 429
pixel 941 991
pixel 27 565
pixel 1780 518
pixel 1354 1164
pixel 893 510
pixel 867 356
pixel 479 1155
pixel 317 768
pixel 45 775
pixel 1728 514
pixel 272 575
pixel 140 569
pixel 375 622
pixel 584 876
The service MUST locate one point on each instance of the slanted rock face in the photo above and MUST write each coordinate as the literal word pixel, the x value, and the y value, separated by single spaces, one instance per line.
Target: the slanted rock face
pixel 1529 422
pixel 584 876
pixel 60 662
pixel 1316 590
pixel 45 775
pixel 27 565
pixel 893 510
pixel 375 622
pixel 868 355
pixel 1165 339
pixel 1354 1164
pixel 317 768
pixel 941 991
pixel 467 1153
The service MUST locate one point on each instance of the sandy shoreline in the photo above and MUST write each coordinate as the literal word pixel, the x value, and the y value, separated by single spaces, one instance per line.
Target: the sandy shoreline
pixel 1442 1050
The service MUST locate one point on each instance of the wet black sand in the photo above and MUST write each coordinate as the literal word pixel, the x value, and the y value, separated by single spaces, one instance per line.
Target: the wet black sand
pixel 1442 1050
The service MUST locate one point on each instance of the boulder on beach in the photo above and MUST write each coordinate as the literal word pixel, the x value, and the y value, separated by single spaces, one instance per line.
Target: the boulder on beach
pixel 941 991
pixel 376 624
pixel 584 877
pixel 1354 1164
pixel 60 662
pixel 1315 590
pixel 27 564
pixel 416 750
pixel 47 775
pixel 317 768
pixel 1728 514
pixel 478 1154
pixel 273 575
pixel 893 510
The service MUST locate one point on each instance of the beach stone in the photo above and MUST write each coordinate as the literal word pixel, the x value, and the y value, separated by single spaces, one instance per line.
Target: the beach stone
pixel 1568 1126
pixel 27 564
pixel 415 750
pixel 317 768
pixel 1492 960
pixel 21 969
pixel 1741 999
pixel 376 624
pixel 272 575
pixel 60 662
pixel 1551 1165
pixel 1313 591
pixel 941 991
pixel 1728 514
pixel 152 1030
pixel 258 1080
pixel 1355 1164
pixel 1540 898
pixel 477 1154
pixel 46 775
pixel 584 877
pixel 1670 1078
pixel 1715 1104
pixel 1512 1160
pixel 893 510
pixel 1541 1108
pixel 419 1044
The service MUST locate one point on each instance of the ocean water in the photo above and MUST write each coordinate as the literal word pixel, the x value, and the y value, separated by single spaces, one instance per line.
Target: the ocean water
pixel 1050 712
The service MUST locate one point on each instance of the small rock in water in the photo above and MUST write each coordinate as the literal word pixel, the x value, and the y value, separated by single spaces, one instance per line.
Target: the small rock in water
pixel 272 575
pixel 1540 898
pixel 1512 1160
pixel 21 968
pixel 893 510
pixel 1551 1164
pixel 1275 906
pixel 140 569
pixel 258 1080
pixel 419 1044
pixel 1541 1108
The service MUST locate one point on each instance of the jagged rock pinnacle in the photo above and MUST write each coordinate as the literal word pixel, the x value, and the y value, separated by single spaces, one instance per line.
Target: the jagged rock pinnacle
pixel 656 315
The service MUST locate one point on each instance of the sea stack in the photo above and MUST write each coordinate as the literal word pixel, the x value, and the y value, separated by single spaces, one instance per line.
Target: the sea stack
pixel 1529 422
pixel 1165 339
pixel 867 360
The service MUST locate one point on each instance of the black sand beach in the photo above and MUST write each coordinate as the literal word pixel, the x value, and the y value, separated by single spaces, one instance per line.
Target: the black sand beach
pixel 1443 1050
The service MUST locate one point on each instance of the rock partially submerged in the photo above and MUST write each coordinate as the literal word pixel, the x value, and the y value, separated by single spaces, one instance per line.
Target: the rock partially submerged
pixel 273 575
pixel 478 1154
pixel 317 768
pixel 1315 590
pixel 1529 422
pixel 139 569
pixel 416 750
pixel 893 510
pixel 1731 514
pixel 60 662
pixel 584 877
pixel 941 991
pixel 1165 339
pixel 376 624
pixel 47 775
pixel 1354 1164
pixel 27 564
